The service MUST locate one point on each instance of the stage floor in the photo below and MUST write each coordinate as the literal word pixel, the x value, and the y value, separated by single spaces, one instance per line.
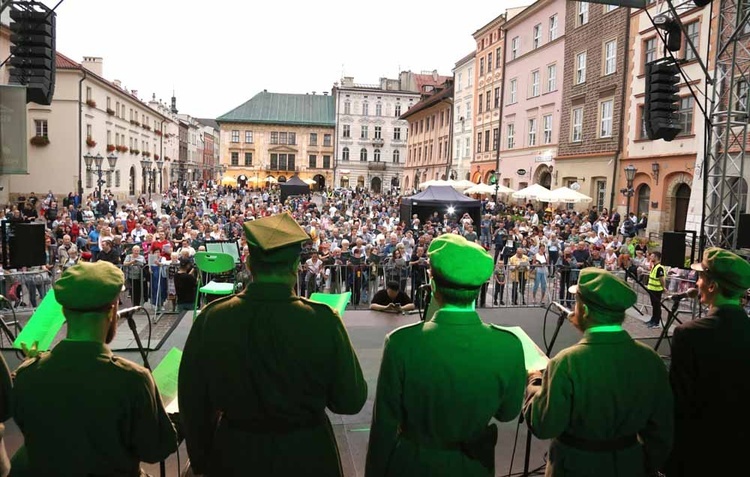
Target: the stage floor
pixel 367 330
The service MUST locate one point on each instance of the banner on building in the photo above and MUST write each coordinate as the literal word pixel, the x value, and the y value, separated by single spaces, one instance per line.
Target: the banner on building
pixel 13 140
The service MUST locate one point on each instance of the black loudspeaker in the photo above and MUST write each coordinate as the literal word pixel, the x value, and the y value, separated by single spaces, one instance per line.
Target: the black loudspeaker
pixel 743 231
pixel 26 244
pixel 673 249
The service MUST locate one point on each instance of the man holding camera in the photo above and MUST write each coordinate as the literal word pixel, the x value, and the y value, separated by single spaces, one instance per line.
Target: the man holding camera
pixel 391 299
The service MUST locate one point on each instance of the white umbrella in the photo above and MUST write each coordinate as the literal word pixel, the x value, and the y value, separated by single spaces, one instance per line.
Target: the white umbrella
pixel 272 180
pixel 464 184
pixel 309 181
pixel 533 192
pixel 488 189
pixel 568 196
pixel 433 182
pixel 228 180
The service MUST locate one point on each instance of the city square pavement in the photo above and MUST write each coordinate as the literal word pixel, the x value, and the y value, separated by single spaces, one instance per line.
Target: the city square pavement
pixel 367 330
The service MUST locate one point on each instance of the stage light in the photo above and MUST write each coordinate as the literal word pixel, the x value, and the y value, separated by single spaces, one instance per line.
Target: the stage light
pixel 451 210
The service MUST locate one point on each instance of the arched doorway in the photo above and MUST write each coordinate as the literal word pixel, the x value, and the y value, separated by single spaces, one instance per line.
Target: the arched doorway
pixel 543 177
pixel 242 181
pixel 344 182
pixel 643 197
pixel 487 176
pixel 394 183
pixel 161 178
pixel 375 185
pixel 282 179
pixel 468 176
pixel 681 202
pixel 477 177
pixel 320 182
pixel 131 181
pixel 361 182
pixel 416 182
pixel 406 183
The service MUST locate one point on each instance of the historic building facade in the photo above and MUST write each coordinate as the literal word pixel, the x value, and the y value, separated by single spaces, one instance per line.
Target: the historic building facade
pixel 429 143
pixel 664 176
pixel 370 134
pixel 463 123
pixel 591 134
pixel 534 53
pixel 274 136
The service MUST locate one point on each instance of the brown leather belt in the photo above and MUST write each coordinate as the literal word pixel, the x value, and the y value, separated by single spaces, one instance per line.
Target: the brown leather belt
pixel 610 445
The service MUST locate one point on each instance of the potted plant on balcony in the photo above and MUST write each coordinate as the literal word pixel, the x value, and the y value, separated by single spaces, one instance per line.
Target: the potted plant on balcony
pixel 146 154
pixel 122 149
pixel 39 140
pixel 166 158
pixel 110 111
pixel 156 157
pixel 110 147
pixel 90 142
pixel 135 151
pixel 147 127
pixel 134 122
pixel 158 132
pixel 91 103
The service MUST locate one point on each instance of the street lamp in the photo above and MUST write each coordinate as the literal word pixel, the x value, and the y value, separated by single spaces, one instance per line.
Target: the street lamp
pixel 97 162
pixel 159 165
pixel 148 174
pixel 628 191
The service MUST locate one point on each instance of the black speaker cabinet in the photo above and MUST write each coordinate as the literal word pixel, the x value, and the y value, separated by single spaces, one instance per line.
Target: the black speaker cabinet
pixel 673 249
pixel 26 244
pixel 743 231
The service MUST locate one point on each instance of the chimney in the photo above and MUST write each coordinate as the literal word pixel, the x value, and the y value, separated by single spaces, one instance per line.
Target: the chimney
pixel 325 93
pixel 93 64
pixel 173 109
pixel 134 93
pixel 117 83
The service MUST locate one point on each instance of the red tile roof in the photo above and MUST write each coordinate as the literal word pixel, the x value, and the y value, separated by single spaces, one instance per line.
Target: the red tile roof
pixel 423 80
pixel 440 95
pixel 62 61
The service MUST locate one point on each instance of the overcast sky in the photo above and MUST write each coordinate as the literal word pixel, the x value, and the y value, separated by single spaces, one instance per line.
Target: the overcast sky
pixel 218 54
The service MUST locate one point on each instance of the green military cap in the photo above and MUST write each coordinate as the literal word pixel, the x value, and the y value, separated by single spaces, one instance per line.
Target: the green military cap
pixel 275 239
pixel 458 262
pixel 89 286
pixel 727 268
pixel 603 291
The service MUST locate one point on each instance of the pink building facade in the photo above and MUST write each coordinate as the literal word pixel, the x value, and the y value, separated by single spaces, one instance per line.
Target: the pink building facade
pixel 532 96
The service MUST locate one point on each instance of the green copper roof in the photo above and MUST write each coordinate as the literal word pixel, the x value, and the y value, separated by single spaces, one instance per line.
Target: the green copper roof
pixel 276 108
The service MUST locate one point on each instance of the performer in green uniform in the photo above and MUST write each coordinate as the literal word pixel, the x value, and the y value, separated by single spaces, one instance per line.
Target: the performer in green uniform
pixel 82 410
pixel 259 369
pixel 709 373
pixel 441 381
pixel 605 402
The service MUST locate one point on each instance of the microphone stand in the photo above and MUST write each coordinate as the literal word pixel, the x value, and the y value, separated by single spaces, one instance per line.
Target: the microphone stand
pixel 144 356
pixel 527 453
pixel 671 317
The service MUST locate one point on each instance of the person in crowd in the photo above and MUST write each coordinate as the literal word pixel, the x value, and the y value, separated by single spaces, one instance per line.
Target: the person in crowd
pixel 314 273
pixel 435 422
pixel 498 277
pixel 655 286
pixel 391 299
pixel 708 370
pixel 260 367
pixel 133 267
pixel 605 402
pixel 540 272
pixel 519 273
pixel 642 223
pixel 107 253
pixel 186 285
pixel 419 266
pixel 107 413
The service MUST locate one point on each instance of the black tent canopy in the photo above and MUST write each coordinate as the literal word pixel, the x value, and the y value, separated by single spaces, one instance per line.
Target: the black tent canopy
pixel 439 199
pixel 294 186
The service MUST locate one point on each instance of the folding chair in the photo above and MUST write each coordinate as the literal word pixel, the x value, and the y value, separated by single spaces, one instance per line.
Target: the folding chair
pixel 212 264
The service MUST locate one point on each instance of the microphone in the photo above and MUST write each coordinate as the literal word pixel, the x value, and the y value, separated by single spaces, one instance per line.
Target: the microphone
pixel 689 293
pixel 128 311
pixel 563 310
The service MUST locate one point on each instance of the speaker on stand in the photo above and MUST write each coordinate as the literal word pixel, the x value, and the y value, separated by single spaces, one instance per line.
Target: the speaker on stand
pixel 673 249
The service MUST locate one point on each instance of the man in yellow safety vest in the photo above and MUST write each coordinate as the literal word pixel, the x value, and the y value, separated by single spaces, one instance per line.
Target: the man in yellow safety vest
pixel 655 286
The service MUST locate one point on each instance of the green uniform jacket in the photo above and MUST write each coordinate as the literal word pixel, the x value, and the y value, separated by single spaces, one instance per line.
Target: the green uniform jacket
pixel 606 386
pixel 84 411
pixel 270 362
pixel 440 383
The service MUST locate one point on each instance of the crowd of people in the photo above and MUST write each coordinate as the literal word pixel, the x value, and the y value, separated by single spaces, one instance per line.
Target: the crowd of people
pixel 260 367
pixel 357 241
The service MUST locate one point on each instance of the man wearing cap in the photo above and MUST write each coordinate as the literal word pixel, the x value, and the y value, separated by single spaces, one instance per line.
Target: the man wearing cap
pixel 259 369
pixel 709 373
pixel 442 380
pixel 82 410
pixel 605 402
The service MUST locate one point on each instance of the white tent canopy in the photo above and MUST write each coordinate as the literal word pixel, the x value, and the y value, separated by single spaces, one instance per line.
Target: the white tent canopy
pixel 482 188
pixel 533 192
pixel 568 196
pixel 462 184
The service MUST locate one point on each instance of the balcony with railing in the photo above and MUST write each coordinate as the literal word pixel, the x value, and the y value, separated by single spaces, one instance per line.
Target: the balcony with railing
pixel 376 166
pixel 378 142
